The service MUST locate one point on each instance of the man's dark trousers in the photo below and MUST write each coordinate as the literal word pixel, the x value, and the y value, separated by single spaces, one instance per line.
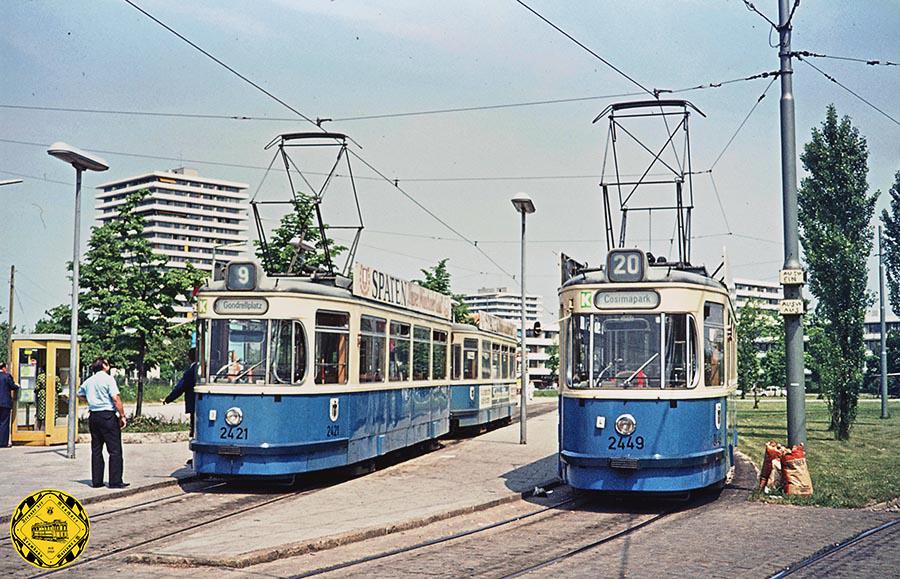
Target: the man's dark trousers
pixel 4 426
pixel 105 429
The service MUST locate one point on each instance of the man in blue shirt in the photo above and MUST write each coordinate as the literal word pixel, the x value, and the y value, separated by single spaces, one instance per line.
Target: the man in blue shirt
pixel 102 395
pixel 7 387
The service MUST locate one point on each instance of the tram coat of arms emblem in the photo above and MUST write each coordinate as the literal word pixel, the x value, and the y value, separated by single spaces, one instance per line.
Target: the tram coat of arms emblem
pixel 334 409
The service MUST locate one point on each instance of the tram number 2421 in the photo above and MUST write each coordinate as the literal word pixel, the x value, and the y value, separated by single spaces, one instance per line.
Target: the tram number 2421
pixel 233 432
pixel 623 442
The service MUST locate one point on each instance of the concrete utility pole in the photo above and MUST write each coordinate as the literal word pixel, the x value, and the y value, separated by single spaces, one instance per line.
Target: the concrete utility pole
pixel 12 288
pixel 792 276
pixel 884 369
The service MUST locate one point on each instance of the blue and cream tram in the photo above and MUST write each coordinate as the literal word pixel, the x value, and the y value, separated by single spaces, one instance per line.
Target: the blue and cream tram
pixel 304 374
pixel 483 370
pixel 649 350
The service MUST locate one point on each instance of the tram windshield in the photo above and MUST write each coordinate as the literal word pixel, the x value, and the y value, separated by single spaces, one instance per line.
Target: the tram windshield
pixel 623 351
pixel 246 352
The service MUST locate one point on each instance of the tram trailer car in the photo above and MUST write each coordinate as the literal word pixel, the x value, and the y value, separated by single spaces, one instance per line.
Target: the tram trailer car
pixel 306 374
pixel 483 388
pixel 650 374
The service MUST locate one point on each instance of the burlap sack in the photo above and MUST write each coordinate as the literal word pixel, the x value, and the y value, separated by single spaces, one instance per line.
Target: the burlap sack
pixel 796 472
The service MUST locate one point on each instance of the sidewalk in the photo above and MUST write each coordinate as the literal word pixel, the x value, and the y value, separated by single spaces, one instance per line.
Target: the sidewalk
pixel 462 477
pixel 31 468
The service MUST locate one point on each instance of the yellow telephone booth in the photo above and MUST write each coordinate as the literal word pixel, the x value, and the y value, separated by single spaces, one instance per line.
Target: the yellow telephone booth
pixel 41 366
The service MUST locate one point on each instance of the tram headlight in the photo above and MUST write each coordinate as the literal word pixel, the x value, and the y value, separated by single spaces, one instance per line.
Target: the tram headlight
pixel 625 424
pixel 234 416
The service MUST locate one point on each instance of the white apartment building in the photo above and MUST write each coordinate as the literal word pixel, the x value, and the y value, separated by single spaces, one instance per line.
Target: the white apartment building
pixel 765 294
pixel 872 331
pixel 189 218
pixel 504 304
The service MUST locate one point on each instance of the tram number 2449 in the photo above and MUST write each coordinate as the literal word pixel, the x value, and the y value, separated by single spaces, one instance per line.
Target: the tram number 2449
pixel 623 442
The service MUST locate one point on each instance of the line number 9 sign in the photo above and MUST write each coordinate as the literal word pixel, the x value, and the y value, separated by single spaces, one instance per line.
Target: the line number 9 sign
pixel 241 276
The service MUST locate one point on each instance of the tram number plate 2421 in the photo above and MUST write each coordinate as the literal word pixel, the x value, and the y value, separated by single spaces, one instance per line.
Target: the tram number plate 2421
pixel 626 442
pixel 233 432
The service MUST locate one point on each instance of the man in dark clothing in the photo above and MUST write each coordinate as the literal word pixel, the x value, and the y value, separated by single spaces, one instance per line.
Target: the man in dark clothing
pixel 186 386
pixel 7 387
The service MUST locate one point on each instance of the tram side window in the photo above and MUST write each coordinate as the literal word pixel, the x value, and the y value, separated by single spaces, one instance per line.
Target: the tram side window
pixel 372 341
pixel 439 355
pixel 332 337
pixel 281 347
pixel 400 350
pixel 681 335
pixel 485 360
pixel 421 352
pixel 504 361
pixel 580 340
pixel 470 359
pixel 714 343
pixel 299 353
pixel 456 362
pixel 495 361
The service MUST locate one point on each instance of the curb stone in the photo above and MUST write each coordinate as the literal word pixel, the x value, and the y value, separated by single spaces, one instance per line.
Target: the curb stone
pixel 329 542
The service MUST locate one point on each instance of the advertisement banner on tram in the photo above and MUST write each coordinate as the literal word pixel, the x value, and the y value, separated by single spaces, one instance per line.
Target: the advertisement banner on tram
pixel 373 284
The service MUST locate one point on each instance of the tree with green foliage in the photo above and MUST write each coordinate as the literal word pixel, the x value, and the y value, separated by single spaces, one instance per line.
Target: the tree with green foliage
pixel 553 362
pixel 4 336
pixel 751 327
pixel 437 279
pixel 891 244
pixel 128 298
pixel 835 214
pixel 281 255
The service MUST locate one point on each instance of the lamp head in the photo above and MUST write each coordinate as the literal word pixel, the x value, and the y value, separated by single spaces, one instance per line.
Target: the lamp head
pixel 79 159
pixel 523 203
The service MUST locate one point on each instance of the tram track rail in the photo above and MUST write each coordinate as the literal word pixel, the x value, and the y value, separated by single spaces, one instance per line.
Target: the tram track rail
pixel 827 552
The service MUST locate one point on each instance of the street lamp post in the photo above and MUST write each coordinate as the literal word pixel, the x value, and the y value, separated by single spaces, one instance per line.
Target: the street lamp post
pixel 523 205
pixel 82 161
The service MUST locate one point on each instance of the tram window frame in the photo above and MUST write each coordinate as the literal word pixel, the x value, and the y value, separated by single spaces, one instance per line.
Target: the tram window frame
pixel 485 360
pixel 495 361
pixel 439 341
pixel 226 370
pixel 372 341
pixel 323 331
pixel 456 361
pixel 689 352
pixel 504 362
pixel 279 347
pixel 714 334
pixel 470 363
pixel 300 352
pixel 421 367
pixel 400 336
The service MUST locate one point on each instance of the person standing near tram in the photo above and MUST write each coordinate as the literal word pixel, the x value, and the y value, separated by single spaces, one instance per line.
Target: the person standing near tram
pixel 7 387
pixel 186 386
pixel 102 395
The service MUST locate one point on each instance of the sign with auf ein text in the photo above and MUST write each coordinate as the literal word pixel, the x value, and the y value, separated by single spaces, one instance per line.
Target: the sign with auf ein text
pixel 373 284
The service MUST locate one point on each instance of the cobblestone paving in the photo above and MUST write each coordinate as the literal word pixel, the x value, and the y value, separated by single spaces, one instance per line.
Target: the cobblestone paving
pixel 875 556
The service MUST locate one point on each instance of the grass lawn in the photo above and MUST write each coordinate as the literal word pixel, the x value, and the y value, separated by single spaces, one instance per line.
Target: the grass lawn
pixel 153 392
pixel 546 393
pixel 856 473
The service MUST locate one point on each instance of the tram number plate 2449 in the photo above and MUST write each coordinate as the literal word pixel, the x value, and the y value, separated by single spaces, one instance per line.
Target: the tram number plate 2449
pixel 625 442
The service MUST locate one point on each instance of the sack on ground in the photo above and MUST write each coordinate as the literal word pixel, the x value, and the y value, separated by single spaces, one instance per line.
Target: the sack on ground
pixel 796 472
pixel 770 475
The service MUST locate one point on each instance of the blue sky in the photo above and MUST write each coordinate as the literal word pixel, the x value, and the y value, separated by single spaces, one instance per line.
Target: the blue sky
pixel 347 58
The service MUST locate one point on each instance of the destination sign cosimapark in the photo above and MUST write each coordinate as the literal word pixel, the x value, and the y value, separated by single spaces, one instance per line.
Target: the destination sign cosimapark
pixel 634 299
pixel 373 284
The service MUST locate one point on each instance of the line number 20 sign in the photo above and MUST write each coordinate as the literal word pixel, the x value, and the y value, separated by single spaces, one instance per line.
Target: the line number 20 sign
pixel 625 265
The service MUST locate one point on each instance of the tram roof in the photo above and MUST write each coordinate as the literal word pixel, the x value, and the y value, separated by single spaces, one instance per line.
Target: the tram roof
pixel 656 273
pixel 300 285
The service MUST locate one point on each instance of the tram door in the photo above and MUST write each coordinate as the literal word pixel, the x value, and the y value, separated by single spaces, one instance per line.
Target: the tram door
pixel 42 369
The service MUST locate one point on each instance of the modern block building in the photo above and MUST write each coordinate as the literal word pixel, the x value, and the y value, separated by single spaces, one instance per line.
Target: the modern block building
pixel 189 218
pixel 765 294
pixel 504 304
